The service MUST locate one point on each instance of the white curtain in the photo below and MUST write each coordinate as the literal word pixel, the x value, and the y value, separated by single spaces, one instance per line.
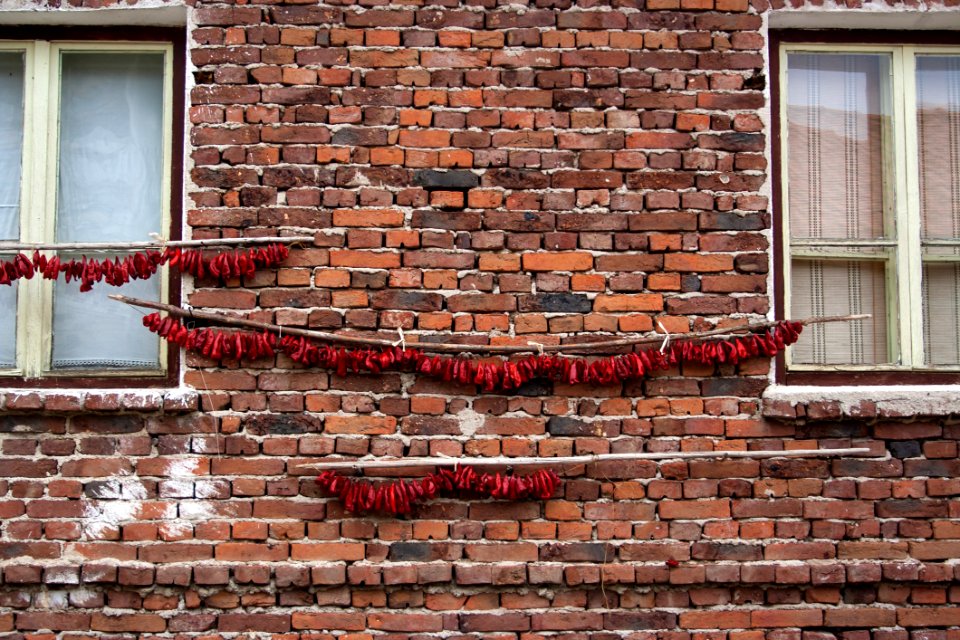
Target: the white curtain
pixel 835 163
pixel 11 152
pixel 11 142
pixel 92 332
pixel 111 146
pixel 110 181
pixel 938 129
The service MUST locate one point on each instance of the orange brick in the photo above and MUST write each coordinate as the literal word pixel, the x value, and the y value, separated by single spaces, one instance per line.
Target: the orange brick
pixel 466 98
pixel 327 551
pixel 629 302
pixel 435 321
pixel 415 118
pixel 447 199
pixel 432 405
pixel 499 262
pixel 298 37
pixel 636 323
pixel 588 282
pixel 374 59
pixel 386 155
pixel 379 38
pixel 299 76
pixel 360 425
pixel 331 278
pixel 459 39
pixel 693 509
pixel 364 259
pixel 565 261
pixel 428 97
pixel 663 282
pixel 367 218
pixel 327 155
pixel 456 158
pixel 421 158
pixel 480 199
pixel 403 238
pixel 693 121
pixel 349 298
pixel 697 262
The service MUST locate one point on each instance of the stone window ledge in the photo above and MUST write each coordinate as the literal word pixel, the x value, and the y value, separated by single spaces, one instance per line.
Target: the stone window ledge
pixel 787 402
pixel 175 400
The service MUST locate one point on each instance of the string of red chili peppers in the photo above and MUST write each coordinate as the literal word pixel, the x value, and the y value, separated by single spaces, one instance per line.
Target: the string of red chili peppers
pixel 143 264
pixel 399 496
pixel 218 345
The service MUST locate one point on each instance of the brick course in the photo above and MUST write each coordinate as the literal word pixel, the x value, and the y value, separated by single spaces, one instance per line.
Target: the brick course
pixel 547 171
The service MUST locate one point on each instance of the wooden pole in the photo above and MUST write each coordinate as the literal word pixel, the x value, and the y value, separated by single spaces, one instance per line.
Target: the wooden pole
pixel 8 245
pixel 445 347
pixel 400 463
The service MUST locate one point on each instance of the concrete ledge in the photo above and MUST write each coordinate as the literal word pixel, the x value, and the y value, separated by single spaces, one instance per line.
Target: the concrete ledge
pixel 866 402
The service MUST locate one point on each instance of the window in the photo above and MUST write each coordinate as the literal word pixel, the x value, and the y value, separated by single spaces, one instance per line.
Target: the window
pixel 86 155
pixel 870 203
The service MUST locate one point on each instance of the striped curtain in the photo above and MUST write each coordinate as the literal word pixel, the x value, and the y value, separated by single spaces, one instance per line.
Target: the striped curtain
pixel 836 190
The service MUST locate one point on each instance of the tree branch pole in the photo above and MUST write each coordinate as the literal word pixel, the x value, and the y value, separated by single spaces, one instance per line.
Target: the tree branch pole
pixel 399 463
pixel 157 244
pixel 444 347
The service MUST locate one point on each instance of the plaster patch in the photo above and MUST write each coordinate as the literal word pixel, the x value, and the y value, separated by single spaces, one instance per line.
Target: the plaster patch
pixel 51 600
pixel 470 422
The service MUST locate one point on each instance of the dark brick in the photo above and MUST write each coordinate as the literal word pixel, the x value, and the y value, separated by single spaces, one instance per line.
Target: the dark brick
pixel 280 424
pixel 555 302
pixel 433 179
pixel 564 426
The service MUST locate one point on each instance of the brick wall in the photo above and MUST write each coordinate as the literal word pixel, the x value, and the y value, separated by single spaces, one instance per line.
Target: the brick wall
pixel 605 168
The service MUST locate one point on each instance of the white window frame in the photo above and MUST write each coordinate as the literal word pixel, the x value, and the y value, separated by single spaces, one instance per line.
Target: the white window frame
pixel 903 277
pixel 38 196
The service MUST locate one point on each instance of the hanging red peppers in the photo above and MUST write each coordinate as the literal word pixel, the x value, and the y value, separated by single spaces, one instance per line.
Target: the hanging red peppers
pixel 506 375
pixel 142 265
pixel 399 496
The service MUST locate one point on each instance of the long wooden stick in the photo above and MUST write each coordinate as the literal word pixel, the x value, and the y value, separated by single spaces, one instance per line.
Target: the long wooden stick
pixel 399 463
pixel 8 245
pixel 445 347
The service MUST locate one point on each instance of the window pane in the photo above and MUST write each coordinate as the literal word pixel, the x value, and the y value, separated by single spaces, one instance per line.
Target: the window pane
pixel 11 154
pixel 91 331
pixel 938 132
pixel 842 287
pixel 838 116
pixel 11 143
pixel 111 146
pixel 941 313
pixel 8 326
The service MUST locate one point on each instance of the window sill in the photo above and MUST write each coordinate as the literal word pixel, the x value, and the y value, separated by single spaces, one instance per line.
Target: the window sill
pixel 175 400
pixel 787 402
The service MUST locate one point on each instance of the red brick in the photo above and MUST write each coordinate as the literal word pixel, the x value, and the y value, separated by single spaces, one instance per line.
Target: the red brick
pixel 786 618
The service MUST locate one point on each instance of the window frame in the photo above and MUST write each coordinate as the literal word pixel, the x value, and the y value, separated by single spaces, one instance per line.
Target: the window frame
pixel 42 46
pixel 903 47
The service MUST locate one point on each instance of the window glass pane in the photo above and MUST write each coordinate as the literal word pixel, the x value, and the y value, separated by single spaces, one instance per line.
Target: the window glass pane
pixel 11 143
pixel 840 287
pixel 91 331
pixel 111 146
pixel 838 119
pixel 941 313
pixel 8 325
pixel 938 133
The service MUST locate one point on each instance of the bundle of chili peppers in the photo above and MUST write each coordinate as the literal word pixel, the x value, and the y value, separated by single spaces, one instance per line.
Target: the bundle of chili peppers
pixel 399 496
pixel 491 376
pixel 142 265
